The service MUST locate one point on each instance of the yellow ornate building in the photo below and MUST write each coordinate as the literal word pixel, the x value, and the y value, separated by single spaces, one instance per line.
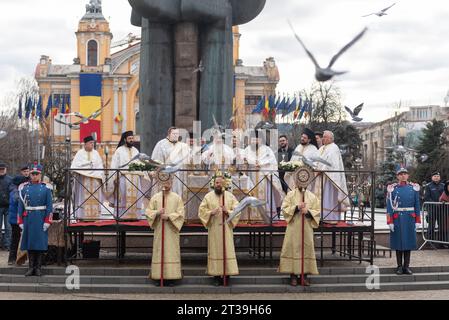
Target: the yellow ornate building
pixel 120 81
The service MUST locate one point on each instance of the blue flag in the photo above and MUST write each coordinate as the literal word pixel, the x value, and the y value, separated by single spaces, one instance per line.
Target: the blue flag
pixel 260 106
pixel 281 105
pixel 304 108
pixel 39 109
pixel 278 102
pixel 28 107
pixel 285 107
pixel 57 101
pixel 19 113
pixel 49 106
pixel 62 109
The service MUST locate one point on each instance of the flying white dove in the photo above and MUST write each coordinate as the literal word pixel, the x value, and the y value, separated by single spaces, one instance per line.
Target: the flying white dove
pixel 265 125
pixel 310 161
pixel 355 114
pixel 245 203
pixel 424 157
pixel 93 116
pixel 380 13
pixel 200 68
pixel 72 126
pixel 325 74
pixel 2 134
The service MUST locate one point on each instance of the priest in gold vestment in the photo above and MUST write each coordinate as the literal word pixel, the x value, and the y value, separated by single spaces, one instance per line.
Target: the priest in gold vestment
pixel 166 267
pixel 296 205
pixel 221 258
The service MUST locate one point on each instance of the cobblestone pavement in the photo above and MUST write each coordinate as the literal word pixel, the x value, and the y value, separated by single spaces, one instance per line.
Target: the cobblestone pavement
pixel 410 295
pixel 419 258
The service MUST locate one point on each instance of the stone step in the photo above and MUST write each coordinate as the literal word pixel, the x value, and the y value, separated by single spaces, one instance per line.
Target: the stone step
pixel 237 280
pixel 183 289
pixel 142 272
pixel 201 271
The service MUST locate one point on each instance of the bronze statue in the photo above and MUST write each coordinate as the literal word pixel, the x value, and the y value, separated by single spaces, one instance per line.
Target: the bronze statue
pixel 186 69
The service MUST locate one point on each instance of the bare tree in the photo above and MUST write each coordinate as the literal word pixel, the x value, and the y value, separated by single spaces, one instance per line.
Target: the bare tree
pixel 326 100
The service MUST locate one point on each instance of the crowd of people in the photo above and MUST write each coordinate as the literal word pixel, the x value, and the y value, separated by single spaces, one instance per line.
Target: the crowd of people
pixel 26 202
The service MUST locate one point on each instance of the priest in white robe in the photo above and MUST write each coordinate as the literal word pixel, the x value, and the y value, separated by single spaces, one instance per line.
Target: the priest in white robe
pixel 219 156
pixel 88 195
pixel 268 186
pixel 335 190
pixel 131 185
pixel 170 151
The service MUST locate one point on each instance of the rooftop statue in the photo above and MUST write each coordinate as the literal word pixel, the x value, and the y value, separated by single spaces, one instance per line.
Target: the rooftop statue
pixel 186 71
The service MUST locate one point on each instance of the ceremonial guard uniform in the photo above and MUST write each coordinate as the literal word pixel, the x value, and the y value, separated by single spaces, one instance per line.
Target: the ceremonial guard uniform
pixel 35 209
pixel 403 215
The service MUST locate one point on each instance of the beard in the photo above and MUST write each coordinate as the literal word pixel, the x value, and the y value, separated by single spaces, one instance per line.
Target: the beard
pixel 219 191
pixel 130 144
pixel 303 143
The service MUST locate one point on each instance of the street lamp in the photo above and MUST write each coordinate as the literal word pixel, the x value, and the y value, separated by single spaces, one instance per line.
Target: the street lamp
pixel 402 134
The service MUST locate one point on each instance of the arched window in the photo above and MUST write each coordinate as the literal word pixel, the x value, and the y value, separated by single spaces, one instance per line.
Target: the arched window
pixel 92 53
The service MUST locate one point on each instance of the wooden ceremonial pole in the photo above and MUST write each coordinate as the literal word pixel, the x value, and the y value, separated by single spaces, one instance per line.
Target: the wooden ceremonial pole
pixel 302 238
pixel 224 241
pixel 163 240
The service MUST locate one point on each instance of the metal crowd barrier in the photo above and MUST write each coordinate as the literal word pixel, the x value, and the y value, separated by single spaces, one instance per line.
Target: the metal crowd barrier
pixel 351 235
pixel 435 223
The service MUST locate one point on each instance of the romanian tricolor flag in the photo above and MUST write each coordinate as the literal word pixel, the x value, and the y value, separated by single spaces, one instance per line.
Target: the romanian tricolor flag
pixel 90 101
pixel 118 118
pixel 266 109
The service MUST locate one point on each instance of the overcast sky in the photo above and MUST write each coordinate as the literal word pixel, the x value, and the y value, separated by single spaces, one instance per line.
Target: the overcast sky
pixel 404 55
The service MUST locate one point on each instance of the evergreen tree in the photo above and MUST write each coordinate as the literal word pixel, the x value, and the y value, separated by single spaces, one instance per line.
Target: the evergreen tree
pixel 386 174
pixel 432 143
pixel 386 171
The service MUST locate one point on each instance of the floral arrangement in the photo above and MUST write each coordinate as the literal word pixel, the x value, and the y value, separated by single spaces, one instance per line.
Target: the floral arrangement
pixel 290 166
pixel 227 179
pixel 142 167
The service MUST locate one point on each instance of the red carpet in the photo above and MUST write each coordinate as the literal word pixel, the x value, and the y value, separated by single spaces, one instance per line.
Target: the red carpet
pixel 144 223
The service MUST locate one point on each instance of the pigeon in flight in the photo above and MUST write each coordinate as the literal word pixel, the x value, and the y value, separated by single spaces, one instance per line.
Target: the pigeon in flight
pixel 355 114
pixel 325 74
pixel 424 157
pixel 200 68
pixel 310 160
pixel 400 149
pixel 93 116
pixel 72 126
pixel 265 125
pixel 380 13
pixel 245 203
pixel 2 134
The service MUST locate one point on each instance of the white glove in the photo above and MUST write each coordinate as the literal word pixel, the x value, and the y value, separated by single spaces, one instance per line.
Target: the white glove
pixel 46 226
pixel 21 226
pixel 417 225
pixel 391 227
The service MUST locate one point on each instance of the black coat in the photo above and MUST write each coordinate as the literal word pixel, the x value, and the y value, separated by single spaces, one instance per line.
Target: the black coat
pixel 287 154
pixel 5 186
pixel 433 191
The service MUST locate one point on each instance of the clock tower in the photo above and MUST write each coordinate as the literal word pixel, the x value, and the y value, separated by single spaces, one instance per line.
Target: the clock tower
pixel 94 40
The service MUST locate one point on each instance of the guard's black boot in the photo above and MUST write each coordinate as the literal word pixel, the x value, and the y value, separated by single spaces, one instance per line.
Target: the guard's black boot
pixel 399 269
pixel 38 264
pixel 31 263
pixel 407 263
